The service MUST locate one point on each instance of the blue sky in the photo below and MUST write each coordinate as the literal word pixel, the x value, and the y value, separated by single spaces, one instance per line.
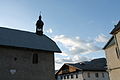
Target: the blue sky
pixel 79 27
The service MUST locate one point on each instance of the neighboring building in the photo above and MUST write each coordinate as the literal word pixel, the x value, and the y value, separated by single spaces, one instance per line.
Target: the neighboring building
pixel 88 70
pixel 112 51
pixel 26 55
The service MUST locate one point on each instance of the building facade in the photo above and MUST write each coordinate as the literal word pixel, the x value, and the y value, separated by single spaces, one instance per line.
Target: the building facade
pixel 112 51
pixel 26 55
pixel 92 70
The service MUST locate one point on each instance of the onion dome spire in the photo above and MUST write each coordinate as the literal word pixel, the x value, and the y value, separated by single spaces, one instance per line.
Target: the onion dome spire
pixel 39 26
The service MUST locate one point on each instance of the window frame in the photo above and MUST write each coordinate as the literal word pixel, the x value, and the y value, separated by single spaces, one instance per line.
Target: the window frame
pixel 72 76
pixel 117 52
pixel 64 77
pixel 35 58
pixel 67 76
pixel 76 75
pixel 88 74
pixel 96 75
pixel 103 75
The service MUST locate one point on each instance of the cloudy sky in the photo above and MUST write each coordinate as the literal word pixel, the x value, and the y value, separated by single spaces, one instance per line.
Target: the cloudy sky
pixel 79 27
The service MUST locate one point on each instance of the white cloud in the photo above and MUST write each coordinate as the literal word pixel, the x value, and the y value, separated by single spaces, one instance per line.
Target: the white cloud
pixel 63 54
pixel 74 59
pixel 115 22
pixel 77 58
pixel 59 62
pixel 64 60
pixel 76 45
pixel 58 66
pixel 49 30
pixel 102 38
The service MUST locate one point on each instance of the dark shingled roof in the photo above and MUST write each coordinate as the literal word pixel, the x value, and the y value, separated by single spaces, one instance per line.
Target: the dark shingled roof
pixel 110 42
pixel 24 39
pixel 117 27
pixel 93 65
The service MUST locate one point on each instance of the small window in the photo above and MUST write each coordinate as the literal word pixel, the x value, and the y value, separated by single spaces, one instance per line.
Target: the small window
pixel 35 58
pixel 67 76
pixel 61 77
pixel 15 58
pixel 103 75
pixel 64 77
pixel 71 76
pixel 117 52
pixel 96 75
pixel 76 75
pixel 88 75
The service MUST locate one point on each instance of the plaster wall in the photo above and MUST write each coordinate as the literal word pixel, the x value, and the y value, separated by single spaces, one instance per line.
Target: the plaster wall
pixel 112 59
pixel 114 74
pixel 102 75
pixel 16 64
pixel 83 75
pixel 80 77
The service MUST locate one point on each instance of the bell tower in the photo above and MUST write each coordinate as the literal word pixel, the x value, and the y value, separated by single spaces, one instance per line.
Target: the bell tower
pixel 39 26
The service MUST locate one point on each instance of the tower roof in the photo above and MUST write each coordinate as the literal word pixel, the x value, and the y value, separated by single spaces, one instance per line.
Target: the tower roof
pixel 24 39
pixel 40 23
pixel 39 26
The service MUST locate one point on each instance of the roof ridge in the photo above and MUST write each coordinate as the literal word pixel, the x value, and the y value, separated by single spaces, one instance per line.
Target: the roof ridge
pixel 16 29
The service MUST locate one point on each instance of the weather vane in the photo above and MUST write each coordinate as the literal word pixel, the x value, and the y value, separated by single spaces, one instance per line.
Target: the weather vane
pixel 40 13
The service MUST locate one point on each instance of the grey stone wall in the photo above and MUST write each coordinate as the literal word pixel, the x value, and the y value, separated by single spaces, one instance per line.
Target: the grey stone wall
pixel 16 64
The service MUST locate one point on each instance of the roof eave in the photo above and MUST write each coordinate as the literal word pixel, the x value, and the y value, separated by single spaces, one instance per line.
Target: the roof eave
pixel 58 51
pixel 108 43
pixel 116 29
pixel 95 70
